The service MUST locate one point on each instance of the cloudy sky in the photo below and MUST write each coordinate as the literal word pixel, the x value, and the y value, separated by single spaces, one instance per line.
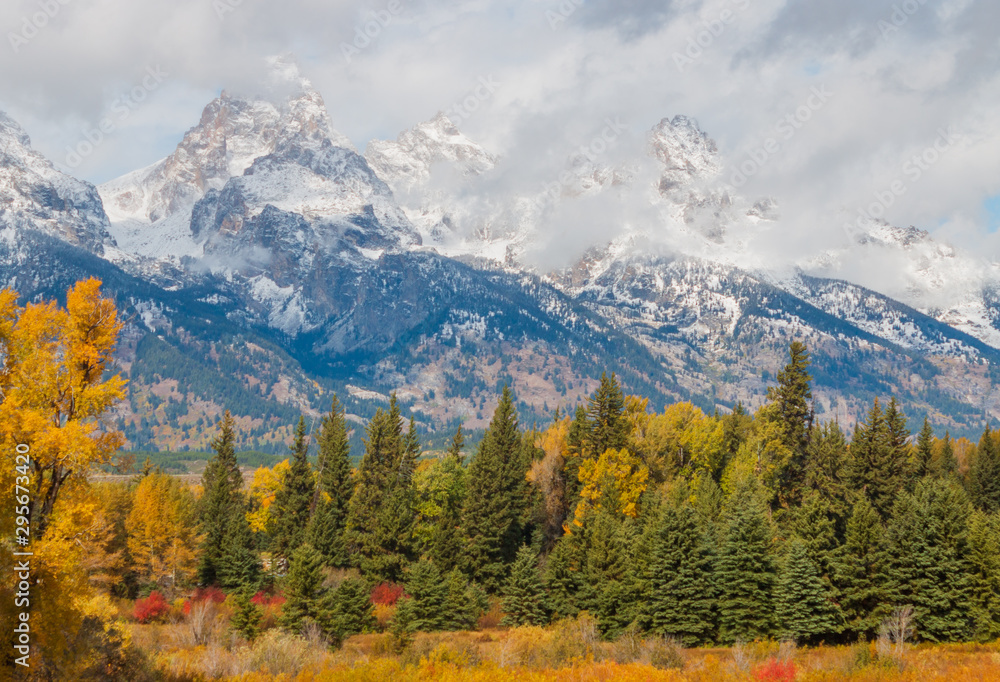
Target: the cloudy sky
pixel 868 84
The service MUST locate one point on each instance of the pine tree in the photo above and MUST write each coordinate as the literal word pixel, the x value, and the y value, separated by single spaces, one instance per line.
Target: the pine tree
pixel 859 570
pixel 563 577
pixel 923 456
pixel 347 610
pixel 826 471
pixel 878 464
pixel 791 400
pixel 523 596
pixel 447 541
pixel 984 475
pixel 576 450
pixel 927 560
pixel 240 565
pixel 899 443
pixel 462 605
pixel 803 601
pixel 222 484
pixel 333 491
pixel 302 591
pixel 294 499
pixel 746 569
pixel 246 615
pixel 495 505
pixel 682 601
pixel 428 596
pixel 946 464
pixel 815 525
pixel 984 564
pixel 608 425
pixel 380 515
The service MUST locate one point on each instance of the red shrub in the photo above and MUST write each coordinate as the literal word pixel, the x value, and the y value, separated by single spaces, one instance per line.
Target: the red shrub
pixel 387 594
pixel 775 671
pixel 151 608
pixel 264 600
pixel 209 594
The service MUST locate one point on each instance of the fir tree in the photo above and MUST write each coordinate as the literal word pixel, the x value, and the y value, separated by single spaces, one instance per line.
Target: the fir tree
pixel 826 472
pixel 462 604
pixel 984 475
pixel 246 615
pixel 576 447
pixel 946 464
pixel 859 570
pixel 746 569
pixel 333 491
pixel 984 566
pixel 682 601
pixel 804 605
pixel 815 524
pixel 347 610
pixel 563 577
pixel 496 501
pixel 222 498
pixel 927 560
pixel 379 517
pixel 878 463
pixel 302 591
pixel 523 596
pixel 294 499
pixel 608 427
pixel 239 565
pixel 923 455
pixel 428 595
pixel 791 400
pixel 447 542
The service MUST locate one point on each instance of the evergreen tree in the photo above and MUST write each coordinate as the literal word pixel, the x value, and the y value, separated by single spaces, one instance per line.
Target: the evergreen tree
pixel 576 450
pixel 984 564
pixel 462 604
pixel 347 610
pixel 239 566
pixel 826 472
pixel 946 464
pixel 746 568
pixel 791 400
pixel 815 525
pixel 804 605
pixel 878 463
pixel 246 615
pixel 859 570
pixel 899 443
pixel 222 485
pixel 294 499
pixel 984 475
pixel 608 427
pixel 447 541
pixel 380 515
pixel 682 601
pixel 927 560
pixel 428 596
pixel 923 456
pixel 523 596
pixel 302 591
pixel 562 578
pixel 333 491
pixel 495 506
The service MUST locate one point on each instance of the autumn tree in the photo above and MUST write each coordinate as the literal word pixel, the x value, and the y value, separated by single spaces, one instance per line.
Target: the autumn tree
pixel 162 536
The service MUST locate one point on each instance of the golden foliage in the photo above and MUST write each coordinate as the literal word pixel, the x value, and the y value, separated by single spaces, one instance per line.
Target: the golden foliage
pixel 615 481
pixel 162 530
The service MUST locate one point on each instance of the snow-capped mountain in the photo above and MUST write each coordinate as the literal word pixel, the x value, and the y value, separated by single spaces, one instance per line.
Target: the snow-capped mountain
pixel 397 270
pixel 34 196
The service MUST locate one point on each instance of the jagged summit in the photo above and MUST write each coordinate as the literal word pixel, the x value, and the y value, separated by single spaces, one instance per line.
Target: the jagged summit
pixel 34 195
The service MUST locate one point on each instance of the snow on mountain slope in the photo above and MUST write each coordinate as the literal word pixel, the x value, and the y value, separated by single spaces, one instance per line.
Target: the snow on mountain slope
pixel 36 196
